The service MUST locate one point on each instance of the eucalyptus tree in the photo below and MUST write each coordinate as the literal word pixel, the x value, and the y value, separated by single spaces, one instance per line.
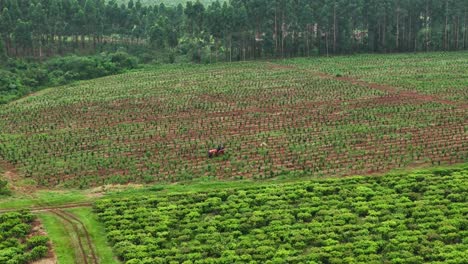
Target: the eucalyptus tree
pixel 239 29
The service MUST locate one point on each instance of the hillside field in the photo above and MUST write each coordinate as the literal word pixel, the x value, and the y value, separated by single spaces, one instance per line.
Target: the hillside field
pixel 316 117
pixel 395 125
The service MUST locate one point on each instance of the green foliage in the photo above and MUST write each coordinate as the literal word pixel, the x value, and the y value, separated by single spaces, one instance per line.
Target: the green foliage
pixel 167 2
pixel 2 52
pixel 4 188
pixel 240 30
pixel 82 68
pixel 315 221
pixel 15 247
pixel 19 77
pixel 123 60
pixel 36 241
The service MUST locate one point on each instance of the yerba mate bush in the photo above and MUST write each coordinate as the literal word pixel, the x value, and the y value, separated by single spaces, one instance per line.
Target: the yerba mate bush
pixel 418 217
pixel 157 126
pixel 18 243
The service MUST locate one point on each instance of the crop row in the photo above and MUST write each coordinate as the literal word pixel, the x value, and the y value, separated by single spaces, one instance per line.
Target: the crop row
pixel 440 74
pixel 418 217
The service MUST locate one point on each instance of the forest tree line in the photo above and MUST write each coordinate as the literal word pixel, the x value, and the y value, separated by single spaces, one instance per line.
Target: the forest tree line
pixel 235 29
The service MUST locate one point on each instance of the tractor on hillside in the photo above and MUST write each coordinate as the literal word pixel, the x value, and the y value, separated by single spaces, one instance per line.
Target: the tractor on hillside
pixel 216 152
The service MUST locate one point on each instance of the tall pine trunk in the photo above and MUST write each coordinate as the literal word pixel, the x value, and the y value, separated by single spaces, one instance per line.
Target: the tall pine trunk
pixel 384 33
pixel 397 44
pixel 40 47
pixel 457 27
pixel 464 31
pixel 334 27
pixel 276 33
pixel 427 26
pixel 326 41
pixel 409 33
pixel 446 27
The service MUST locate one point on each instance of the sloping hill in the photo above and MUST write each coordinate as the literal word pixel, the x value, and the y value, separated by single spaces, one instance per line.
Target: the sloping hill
pixel 158 124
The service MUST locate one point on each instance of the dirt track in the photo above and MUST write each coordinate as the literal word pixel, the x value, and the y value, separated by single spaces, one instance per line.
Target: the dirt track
pixel 86 248
pixel 49 208
pixel 88 237
pixel 87 254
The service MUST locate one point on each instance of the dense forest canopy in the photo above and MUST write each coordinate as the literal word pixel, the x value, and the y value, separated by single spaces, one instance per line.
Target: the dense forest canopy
pixel 234 30
pixel 168 2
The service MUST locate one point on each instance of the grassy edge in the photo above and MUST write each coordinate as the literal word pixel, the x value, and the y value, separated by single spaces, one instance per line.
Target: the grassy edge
pixel 199 185
pixel 98 234
pixel 43 198
pixel 59 236
pixel 56 198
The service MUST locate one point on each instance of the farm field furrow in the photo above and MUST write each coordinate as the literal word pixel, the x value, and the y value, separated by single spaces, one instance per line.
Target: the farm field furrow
pixel 415 217
pixel 156 125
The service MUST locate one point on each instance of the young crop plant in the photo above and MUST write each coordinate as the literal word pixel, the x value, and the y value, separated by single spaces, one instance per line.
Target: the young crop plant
pixel 439 74
pixel 18 241
pixel 415 217
pixel 4 190
pixel 157 125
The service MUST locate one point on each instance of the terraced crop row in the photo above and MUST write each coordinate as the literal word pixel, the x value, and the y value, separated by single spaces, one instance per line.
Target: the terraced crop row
pixel 157 125
pixel 400 218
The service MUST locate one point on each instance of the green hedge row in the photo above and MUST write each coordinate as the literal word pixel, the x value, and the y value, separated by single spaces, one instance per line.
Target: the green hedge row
pixel 418 217
pixel 17 245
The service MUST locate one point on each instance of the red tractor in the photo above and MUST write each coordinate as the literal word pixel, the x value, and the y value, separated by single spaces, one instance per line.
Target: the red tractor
pixel 216 152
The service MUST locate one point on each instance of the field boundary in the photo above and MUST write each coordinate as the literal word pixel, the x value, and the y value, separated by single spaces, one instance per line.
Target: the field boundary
pixel 48 208
pixel 80 230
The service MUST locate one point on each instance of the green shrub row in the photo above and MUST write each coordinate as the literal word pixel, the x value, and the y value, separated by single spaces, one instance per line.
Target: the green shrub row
pixel 17 244
pixel 418 217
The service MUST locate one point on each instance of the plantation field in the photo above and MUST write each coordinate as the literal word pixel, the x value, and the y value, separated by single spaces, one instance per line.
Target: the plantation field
pixel 444 75
pixel 417 217
pixel 20 238
pixel 275 118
